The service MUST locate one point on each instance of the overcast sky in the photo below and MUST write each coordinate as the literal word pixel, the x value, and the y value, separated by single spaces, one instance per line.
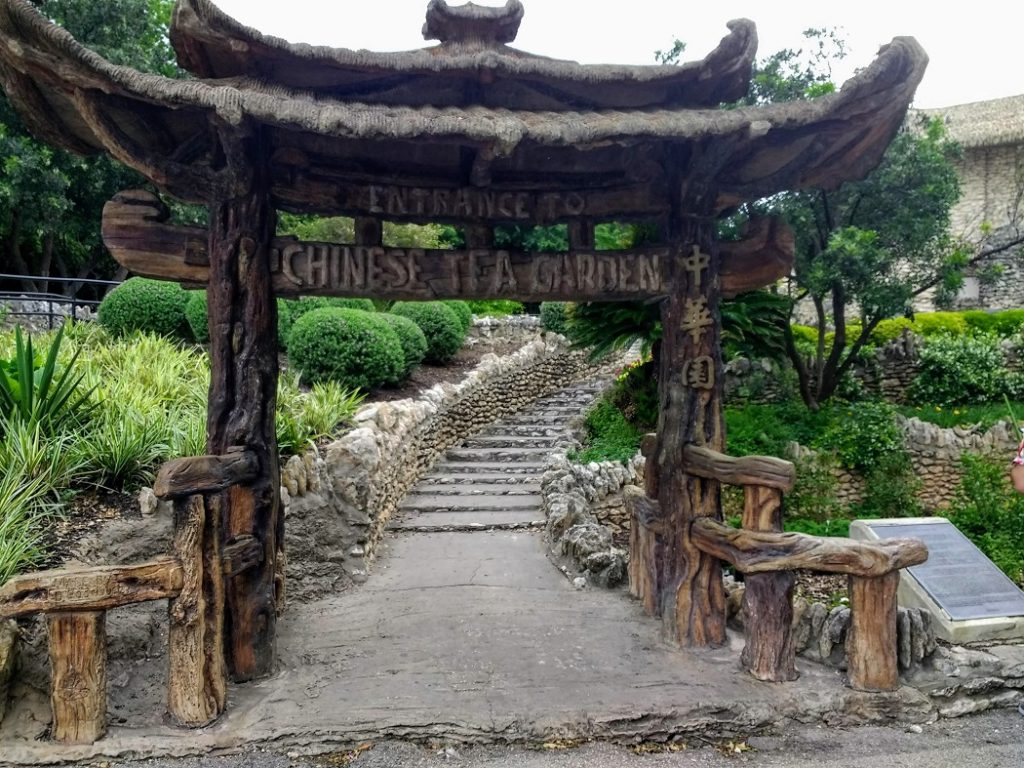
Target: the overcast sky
pixel 976 51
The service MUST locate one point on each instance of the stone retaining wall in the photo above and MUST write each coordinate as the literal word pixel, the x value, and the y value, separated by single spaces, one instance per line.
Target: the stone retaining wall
pixel 33 314
pixel 339 498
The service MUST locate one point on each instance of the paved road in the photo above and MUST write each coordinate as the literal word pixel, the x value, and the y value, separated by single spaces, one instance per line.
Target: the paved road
pixel 990 740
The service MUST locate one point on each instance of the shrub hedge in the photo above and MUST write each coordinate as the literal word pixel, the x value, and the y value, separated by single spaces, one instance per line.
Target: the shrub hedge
pixel 348 346
pixel 140 304
pixel 463 311
pixel 414 343
pixel 440 325
pixel 554 316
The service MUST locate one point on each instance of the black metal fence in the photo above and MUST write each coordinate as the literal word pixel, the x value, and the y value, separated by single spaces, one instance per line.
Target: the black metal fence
pixel 55 307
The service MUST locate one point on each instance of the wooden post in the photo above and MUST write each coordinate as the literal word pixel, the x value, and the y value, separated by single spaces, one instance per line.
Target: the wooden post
pixel 871 643
pixel 243 393
pixel 767 598
pixel 196 679
pixel 690 594
pixel 78 664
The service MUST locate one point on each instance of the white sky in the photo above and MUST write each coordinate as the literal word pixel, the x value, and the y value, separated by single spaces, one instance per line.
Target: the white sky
pixel 975 50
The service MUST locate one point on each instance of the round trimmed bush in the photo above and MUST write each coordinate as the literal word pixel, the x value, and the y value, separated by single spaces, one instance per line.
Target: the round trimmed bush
pixel 554 316
pixel 195 314
pixel 139 304
pixel 463 311
pixel 440 326
pixel 348 346
pixel 414 343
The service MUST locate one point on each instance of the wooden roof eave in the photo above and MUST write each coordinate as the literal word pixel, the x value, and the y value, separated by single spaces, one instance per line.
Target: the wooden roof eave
pixel 776 147
pixel 211 44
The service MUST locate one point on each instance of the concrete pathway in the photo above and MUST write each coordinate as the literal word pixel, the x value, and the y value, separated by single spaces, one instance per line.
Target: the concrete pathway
pixel 465 632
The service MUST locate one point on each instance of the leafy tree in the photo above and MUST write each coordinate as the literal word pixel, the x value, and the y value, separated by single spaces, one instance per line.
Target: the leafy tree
pixel 51 200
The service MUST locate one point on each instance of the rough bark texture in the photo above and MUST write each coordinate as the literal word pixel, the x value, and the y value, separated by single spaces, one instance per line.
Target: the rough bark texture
pixel 90 589
pixel 754 552
pixel 644 543
pixel 180 478
pixel 747 471
pixel 78 663
pixel 196 679
pixel 689 593
pixel 871 643
pixel 768 598
pixel 243 393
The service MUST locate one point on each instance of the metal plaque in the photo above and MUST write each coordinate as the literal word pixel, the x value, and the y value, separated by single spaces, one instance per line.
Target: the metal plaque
pixel 957 575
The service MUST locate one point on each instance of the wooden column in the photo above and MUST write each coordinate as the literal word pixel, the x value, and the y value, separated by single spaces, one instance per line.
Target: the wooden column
pixel 689 595
pixel 78 664
pixel 871 644
pixel 243 392
pixel 196 679
pixel 768 598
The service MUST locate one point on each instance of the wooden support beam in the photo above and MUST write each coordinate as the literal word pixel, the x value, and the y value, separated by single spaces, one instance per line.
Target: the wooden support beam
pixel 180 478
pixel 645 529
pixel 136 232
pixel 78 670
pixel 755 552
pixel 690 596
pixel 766 471
pixel 581 235
pixel 871 643
pixel 240 555
pixel 767 598
pixel 764 256
pixel 196 678
pixel 90 589
pixel 243 393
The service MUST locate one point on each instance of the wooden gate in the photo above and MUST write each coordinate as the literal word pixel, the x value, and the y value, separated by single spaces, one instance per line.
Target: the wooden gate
pixel 475 134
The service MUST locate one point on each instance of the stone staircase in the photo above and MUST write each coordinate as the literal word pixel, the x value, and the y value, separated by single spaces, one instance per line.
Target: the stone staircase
pixel 492 480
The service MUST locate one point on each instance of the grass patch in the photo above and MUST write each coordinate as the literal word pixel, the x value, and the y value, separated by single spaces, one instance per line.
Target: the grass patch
pixel 981 416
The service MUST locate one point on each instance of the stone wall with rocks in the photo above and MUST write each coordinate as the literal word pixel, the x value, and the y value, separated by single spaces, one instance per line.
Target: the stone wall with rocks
pixel 339 498
pixel 587 526
pixel 39 314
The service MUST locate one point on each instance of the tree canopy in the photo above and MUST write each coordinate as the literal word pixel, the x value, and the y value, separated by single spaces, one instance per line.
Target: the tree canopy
pixel 50 199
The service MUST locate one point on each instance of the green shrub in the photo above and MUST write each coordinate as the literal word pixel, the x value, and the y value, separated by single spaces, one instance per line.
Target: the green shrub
pixel 304 417
pixel 462 311
pixel 139 304
pixel 635 394
pixel 1009 322
pixel 414 343
pixel 196 315
pixel 346 346
pixel 554 316
pixel 938 323
pixel 609 436
pixel 889 330
pixel 755 429
pixel 440 326
pixel 890 488
pixel 496 307
pixel 862 435
pixel 813 498
pixel 290 310
pixel 959 369
pixel 979 320
pixel 38 392
pixel 990 513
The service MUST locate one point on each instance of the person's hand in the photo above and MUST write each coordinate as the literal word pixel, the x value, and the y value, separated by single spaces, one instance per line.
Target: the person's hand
pixel 1017 477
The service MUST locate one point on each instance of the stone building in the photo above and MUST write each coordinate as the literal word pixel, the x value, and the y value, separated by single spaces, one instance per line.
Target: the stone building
pixel 991 207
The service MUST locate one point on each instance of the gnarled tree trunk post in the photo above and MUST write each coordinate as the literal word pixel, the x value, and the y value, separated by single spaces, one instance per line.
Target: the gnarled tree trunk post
pixel 768 598
pixel 688 583
pixel 243 393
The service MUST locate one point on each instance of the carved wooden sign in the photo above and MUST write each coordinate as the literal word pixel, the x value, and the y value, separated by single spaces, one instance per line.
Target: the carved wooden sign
pixel 134 231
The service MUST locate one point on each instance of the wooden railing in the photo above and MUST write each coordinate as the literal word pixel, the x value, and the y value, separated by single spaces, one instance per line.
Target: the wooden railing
pixel 767 557
pixel 75 602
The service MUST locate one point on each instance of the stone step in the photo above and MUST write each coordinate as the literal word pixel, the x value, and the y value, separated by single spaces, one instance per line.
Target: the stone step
pixel 469 505
pixel 524 430
pixel 549 417
pixel 460 521
pixel 511 468
pixel 474 488
pixel 509 441
pixel 498 454
pixel 506 478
